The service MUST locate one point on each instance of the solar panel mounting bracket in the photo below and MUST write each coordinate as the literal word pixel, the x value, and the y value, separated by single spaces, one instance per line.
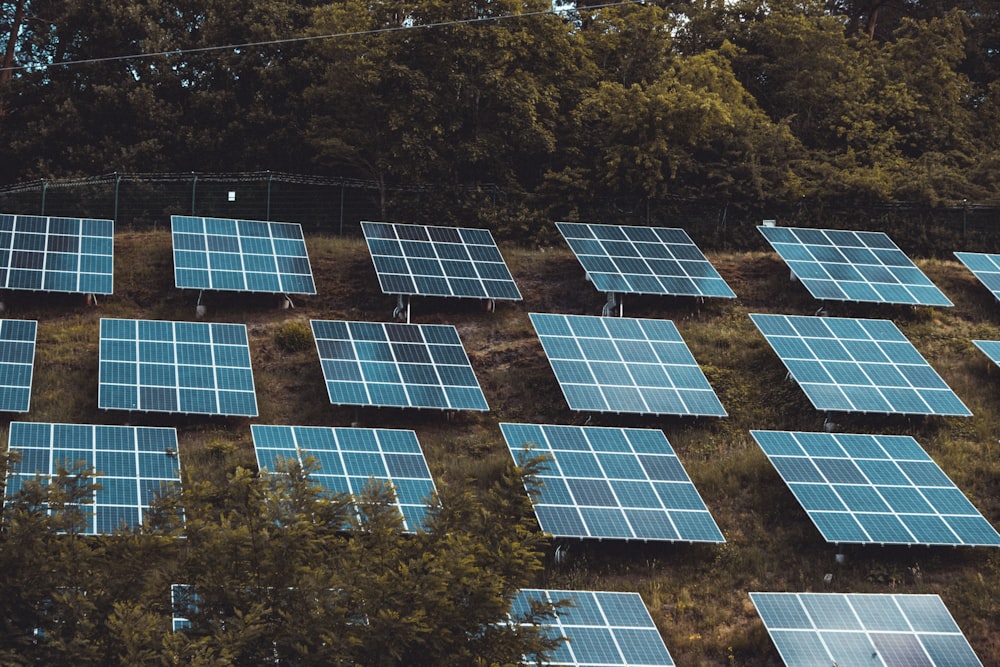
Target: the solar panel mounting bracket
pixel 402 309
pixel 613 301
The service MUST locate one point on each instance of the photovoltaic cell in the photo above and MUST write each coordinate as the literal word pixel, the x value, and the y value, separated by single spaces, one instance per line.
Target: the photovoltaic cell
pixel 839 265
pixel 986 267
pixel 858 365
pixel 186 367
pixel 396 365
pixel 132 464
pixel 599 629
pixel 901 630
pixel 991 348
pixel 618 364
pixel 349 459
pixel 184 605
pixel 17 357
pixel 611 483
pixel 438 261
pixel 881 489
pixel 52 254
pixel 643 260
pixel 240 255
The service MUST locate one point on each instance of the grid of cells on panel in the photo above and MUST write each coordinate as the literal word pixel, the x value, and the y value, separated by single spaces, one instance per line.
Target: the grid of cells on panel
pixel 350 459
pixel 599 629
pixel 991 348
pixel 611 483
pixel 438 261
pixel 240 255
pixel 881 489
pixel 17 356
pixel 53 254
pixel 985 267
pixel 396 365
pixel 133 465
pixel 180 367
pixel 858 365
pixel 839 265
pixel 888 630
pixel 643 260
pixel 183 605
pixel 618 364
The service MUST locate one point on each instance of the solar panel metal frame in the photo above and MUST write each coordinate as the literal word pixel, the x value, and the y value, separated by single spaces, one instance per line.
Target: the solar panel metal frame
pixel 390 364
pixel 132 464
pixel 637 487
pixel 991 348
pixel 883 629
pixel 57 254
pixel 843 265
pixel 985 267
pixel 176 367
pixel 349 459
pixel 643 260
pixel 625 365
pixel 17 363
pixel 874 489
pixel 858 365
pixel 428 260
pixel 228 254
pixel 602 629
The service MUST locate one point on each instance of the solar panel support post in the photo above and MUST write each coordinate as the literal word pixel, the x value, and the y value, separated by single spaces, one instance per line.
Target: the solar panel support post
pixel 199 307
pixel 402 309
pixel 609 307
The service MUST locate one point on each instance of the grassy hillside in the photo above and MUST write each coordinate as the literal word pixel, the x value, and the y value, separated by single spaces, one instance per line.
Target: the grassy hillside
pixel 697 594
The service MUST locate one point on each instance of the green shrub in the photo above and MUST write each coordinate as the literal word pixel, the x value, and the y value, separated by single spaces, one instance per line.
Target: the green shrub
pixel 294 336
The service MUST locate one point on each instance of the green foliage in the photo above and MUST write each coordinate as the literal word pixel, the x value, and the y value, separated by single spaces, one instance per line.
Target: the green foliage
pixel 294 336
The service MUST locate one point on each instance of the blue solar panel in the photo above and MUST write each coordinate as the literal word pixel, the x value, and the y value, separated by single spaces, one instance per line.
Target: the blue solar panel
pixel 349 459
pixel 17 356
pixel 183 605
pixel 986 267
pixel 812 629
pixel 991 348
pixel 858 365
pixel 240 255
pixel 881 489
pixel 396 365
pixel 186 367
pixel 438 261
pixel 643 260
pixel 133 465
pixel 614 483
pixel 600 629
pixel 840 265
pixel 56 254
pixel 617 364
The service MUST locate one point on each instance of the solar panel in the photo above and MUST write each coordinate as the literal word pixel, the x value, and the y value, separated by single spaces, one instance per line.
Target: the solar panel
pixel 184 605
pixel 611 483
pixel 17 357
pixel 438 261
pixel 396 365
pixel 985 267
pixel 619 364
pixel 601 629
pixel 643 260
pixel 990 348
pixel 839 265
pixel 188 367
pixel 351 458
pixel 56 254
pixel 240 255
pixel 133 465
pixel 858 365
pixel 880 489
pixel 890 630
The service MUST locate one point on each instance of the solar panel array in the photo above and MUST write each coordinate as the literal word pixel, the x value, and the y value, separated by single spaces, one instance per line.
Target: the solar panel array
pixel 396 365
pixel 813 629
pixel 240 255
pixel 881 489
pixel 350 459
pixel 17 358
pixel 841 265
pixel 56 254
pixel 617 364
pixel 858 365
pixel 991 348
pixel 613 483
pixel 643 260
pixel 985 267
pixel 188 367
pixel 133 465
pixel 438 261
pixel 601 629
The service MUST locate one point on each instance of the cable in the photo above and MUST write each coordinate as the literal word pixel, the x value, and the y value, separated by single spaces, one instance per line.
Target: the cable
pixel 293 40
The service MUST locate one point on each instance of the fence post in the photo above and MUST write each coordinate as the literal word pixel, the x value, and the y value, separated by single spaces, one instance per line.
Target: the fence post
pixel 342 186
pixel 45 187
pixel 270 177
pixel 118 180
pixel 194 187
